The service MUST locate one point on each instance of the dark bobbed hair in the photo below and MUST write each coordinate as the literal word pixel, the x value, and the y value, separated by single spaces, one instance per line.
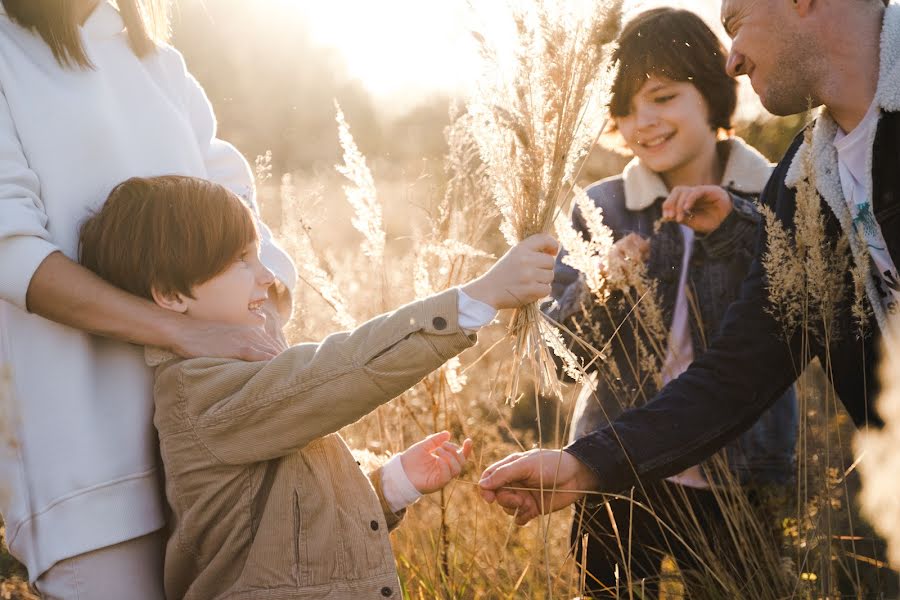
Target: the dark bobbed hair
pixel 146 21
pixel 167 233
pixel 678 45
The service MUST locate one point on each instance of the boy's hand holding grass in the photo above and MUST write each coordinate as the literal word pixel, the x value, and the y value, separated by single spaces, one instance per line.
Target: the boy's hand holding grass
pixel 434 462
pixel 522 276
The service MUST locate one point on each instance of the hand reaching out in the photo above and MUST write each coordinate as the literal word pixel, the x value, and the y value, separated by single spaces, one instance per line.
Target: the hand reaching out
pixel 702 207
pixel 548 480
pixel 434 462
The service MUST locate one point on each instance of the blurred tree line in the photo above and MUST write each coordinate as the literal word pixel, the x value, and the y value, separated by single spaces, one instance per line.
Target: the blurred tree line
pixel 273 88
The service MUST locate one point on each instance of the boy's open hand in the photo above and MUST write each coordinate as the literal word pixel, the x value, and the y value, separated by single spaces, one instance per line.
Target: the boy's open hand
pixel 433 462
pixel 522 276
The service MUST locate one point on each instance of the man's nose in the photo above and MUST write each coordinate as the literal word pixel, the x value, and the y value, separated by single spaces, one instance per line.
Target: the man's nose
pixel 735 64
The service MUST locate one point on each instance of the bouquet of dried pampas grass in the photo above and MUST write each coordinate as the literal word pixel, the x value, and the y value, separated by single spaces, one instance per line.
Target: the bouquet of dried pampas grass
pixel 535 116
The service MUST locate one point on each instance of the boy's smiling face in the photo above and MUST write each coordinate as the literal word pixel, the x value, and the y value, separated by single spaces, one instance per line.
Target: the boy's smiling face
pixel 667 125
pixel 234 296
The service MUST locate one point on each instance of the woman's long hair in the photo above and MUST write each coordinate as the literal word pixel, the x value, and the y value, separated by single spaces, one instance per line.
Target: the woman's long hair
pixel 56 22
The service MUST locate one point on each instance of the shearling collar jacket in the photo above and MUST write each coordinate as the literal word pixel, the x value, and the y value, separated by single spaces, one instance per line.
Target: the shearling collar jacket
pixel 824 158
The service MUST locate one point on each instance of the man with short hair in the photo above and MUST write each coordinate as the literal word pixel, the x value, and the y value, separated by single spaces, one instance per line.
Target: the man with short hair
pixel 845 57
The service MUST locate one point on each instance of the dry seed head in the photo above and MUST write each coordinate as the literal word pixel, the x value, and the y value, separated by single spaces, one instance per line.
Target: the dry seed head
pixel 361 194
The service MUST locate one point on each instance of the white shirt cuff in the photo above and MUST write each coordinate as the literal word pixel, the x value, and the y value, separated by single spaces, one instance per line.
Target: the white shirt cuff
pixel 473 314
pixel 398 490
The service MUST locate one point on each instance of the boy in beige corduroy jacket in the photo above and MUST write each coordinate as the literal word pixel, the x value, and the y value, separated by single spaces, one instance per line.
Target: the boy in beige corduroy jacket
pixel 267 501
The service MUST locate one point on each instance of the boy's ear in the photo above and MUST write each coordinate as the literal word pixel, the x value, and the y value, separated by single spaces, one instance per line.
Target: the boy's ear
pixel 172 301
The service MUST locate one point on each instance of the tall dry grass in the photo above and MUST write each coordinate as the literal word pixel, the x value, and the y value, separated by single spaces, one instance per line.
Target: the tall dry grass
pixel 536 114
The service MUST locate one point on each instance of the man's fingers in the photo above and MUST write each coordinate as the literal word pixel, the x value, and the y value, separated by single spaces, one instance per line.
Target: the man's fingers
pixel 490 470
pixel 510 500
pixel 505 474
pixel 524 517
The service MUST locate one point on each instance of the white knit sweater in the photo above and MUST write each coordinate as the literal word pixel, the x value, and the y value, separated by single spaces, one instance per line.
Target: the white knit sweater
pixel 78 466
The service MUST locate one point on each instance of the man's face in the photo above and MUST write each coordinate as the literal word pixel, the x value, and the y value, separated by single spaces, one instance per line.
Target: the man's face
pixel 771 46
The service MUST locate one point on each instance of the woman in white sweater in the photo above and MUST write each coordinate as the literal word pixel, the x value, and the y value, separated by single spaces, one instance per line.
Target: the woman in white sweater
pixel 90 98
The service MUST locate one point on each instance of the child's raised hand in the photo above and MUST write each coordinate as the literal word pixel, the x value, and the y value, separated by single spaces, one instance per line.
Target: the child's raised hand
pixel 701 207
pixel 522 276
pixel 433 462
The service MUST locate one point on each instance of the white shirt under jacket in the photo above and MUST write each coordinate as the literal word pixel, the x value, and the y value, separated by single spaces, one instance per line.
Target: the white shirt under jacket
pixel 78 464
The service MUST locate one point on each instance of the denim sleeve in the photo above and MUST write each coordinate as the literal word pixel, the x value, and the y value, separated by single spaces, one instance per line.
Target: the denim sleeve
pixel 747 368
pixel 737 232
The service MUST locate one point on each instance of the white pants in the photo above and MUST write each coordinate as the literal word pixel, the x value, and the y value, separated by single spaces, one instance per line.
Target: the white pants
pixel 132 570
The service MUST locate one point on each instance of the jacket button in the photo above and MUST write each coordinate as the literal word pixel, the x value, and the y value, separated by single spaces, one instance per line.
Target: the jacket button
pixel 439 323
pixel 374 525
pixel 387 592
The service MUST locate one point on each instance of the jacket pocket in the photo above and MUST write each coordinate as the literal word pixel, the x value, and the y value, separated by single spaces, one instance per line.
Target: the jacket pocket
pixel 301 564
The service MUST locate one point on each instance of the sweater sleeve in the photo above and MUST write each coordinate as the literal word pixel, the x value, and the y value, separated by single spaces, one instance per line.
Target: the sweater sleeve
pixel 226 166
pixel 24 239
pixel 245 412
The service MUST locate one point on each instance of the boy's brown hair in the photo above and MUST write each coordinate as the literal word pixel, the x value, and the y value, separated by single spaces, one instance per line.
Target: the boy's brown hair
pixel 166 233
pixel 678 45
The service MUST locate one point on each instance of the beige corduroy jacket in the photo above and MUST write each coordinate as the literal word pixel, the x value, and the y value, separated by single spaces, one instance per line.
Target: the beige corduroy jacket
pixel 266 499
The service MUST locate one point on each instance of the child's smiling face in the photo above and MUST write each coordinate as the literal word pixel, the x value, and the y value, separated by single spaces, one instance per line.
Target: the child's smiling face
pixel 234 296
pixel 667 125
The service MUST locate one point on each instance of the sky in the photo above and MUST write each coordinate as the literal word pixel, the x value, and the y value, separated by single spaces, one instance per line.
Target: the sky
pixel 399 46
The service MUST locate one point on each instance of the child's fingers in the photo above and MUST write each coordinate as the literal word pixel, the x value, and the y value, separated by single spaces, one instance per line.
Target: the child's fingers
pixel 544 261
pixel 432 441
pixel 542 242
pixel 448 457
pixel 468 445
pixel 455 454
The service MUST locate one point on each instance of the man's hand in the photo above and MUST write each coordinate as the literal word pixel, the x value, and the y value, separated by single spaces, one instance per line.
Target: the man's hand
pixel 521 277
pixel 435 461
pixel 702 207
pixel 550 480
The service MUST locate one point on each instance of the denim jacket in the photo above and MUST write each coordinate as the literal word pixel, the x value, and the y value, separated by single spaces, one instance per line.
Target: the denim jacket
pixel 718 263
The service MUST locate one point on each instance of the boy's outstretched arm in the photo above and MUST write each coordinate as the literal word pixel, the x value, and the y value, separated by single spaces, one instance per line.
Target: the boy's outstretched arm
pixel 249 412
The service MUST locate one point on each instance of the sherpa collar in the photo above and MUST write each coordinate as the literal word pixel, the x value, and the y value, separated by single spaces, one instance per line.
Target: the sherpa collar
pixel 746 171
pixel 823 155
